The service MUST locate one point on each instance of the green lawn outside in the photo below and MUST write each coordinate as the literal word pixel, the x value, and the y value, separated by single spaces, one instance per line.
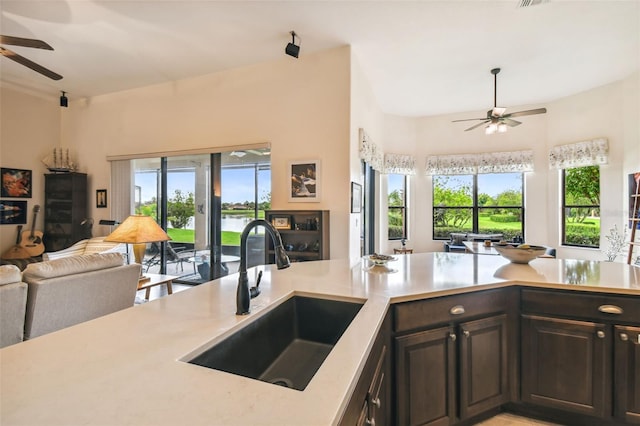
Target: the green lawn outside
pixel 229 238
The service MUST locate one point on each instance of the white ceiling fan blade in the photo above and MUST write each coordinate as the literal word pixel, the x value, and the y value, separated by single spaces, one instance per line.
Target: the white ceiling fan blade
pixel 510 122
pixel 477 125
pixel 527 112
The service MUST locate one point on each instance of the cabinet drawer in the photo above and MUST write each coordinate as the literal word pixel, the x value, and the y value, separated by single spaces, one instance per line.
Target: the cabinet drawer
pixel 571 304
pixel 427 313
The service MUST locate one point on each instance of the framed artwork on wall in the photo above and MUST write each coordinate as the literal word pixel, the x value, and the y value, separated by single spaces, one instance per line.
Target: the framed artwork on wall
pixel 13 212
pixel 304 181
pixel 356 197
pixel 101 198
pixel 16 183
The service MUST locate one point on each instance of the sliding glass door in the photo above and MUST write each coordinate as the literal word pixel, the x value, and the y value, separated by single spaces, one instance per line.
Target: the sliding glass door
pixel 203 201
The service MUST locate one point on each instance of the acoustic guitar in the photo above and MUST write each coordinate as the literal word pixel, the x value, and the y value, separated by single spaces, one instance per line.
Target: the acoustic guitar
pixel 17 251
pixel 32 240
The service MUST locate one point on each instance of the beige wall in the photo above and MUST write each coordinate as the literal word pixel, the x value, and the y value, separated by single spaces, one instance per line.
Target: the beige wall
pixel 29 130
pixel 301 107
pixel 610 111
pixel 312 108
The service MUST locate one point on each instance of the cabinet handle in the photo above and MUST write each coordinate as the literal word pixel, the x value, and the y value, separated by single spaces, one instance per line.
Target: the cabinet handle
pixel 466 333
pixel 610 309
pixel 457 310
pixel 376 402
pixel 624 337
pixel 370 421
pixel 600 334
pixel 452 337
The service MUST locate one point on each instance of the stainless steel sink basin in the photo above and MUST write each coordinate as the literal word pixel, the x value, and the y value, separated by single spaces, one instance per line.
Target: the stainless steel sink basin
pixel 287 345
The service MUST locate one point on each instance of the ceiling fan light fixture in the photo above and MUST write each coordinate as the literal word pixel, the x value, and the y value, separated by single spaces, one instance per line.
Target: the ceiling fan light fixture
pixel 502 128
pixel 490 129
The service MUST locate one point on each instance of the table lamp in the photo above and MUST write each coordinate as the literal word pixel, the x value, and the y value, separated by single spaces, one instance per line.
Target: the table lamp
pixel 138 230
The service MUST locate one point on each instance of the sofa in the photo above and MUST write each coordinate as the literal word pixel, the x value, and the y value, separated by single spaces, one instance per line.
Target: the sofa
pixel 70 290
pixel 13 304
pixel 457 239
pixel 88 246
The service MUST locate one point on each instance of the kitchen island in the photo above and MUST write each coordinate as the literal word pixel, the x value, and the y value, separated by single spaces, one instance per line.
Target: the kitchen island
pixel 128 368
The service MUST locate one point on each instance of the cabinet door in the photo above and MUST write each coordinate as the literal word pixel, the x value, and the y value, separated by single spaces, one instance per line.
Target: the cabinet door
pixel 627 374
pixel 425 377
pixel 564 365
pixel 483 365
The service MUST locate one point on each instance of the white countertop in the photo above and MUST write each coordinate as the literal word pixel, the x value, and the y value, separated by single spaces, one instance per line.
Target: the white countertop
pixel 125 368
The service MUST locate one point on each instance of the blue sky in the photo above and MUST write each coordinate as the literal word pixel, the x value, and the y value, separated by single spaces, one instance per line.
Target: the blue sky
pixel 237 184
pixel 491 184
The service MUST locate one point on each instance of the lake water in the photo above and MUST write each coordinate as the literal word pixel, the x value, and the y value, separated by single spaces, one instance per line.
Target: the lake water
pixel 235 223
pixel 229 223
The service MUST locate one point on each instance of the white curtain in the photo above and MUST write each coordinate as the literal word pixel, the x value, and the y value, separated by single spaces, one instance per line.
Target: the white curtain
pixel 122 202
pixel 490 162
pixel 586 153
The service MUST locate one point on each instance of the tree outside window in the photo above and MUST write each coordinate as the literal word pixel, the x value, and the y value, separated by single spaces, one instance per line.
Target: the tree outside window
pixel 397 206
pixel 486 203
pixel 581 206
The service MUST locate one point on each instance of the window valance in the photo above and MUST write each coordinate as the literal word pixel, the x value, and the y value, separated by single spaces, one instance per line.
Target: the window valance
pixel 491 162
pixel 586 153
pixel 370 152
pixel 399 164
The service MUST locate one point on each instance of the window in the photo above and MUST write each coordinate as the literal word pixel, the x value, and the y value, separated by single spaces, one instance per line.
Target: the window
pixel 490 203
pixel 397 206
pixel 581 206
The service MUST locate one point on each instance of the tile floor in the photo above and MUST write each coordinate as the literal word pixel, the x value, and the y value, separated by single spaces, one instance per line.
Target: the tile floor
pixel 507 419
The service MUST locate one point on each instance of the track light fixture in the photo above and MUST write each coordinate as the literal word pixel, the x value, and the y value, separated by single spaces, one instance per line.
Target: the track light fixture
pixel 64 101
pixel 292 49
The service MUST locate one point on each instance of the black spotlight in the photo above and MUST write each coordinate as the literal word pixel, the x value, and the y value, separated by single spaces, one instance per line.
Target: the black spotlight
pixel 64 101
pixel 292 49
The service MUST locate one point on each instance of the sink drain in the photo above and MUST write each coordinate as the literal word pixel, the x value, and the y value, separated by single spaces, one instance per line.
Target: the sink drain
pixel 281 381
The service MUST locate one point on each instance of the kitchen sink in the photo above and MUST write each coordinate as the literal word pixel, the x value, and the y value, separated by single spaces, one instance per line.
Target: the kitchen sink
pixel 287 345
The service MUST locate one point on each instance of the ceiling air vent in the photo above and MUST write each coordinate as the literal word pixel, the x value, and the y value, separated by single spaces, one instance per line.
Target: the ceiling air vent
pixel 529 3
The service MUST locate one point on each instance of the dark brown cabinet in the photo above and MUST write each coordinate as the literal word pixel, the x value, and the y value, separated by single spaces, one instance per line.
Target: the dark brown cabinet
pixel 65 208
pixel 581 355
pixel 305 234
pixel 563 364
pixel 370 403
pixel 458 367
pixel 627 374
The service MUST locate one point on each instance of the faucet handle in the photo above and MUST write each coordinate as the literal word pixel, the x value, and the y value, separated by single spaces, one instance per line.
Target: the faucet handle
pixel 255 291
pixel 259 278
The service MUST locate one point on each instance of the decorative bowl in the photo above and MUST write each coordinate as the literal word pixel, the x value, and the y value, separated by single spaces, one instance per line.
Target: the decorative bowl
pixel 518 254
pixel 380 259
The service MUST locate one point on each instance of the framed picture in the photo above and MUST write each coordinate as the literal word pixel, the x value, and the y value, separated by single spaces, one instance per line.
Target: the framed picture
pixel 13 212
pixel 101 198
pixel 281 222
pixel 304 178
pixel 356 197
pixel 16 183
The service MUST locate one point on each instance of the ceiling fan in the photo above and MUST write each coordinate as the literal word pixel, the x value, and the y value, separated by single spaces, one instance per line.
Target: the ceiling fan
pixel 496 119
pixel 27 42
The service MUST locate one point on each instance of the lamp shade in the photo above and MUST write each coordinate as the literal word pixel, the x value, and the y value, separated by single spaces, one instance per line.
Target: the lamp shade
pixel 138 229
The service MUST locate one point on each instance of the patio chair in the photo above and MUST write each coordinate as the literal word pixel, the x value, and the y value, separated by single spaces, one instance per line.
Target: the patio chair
pixel 174 255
